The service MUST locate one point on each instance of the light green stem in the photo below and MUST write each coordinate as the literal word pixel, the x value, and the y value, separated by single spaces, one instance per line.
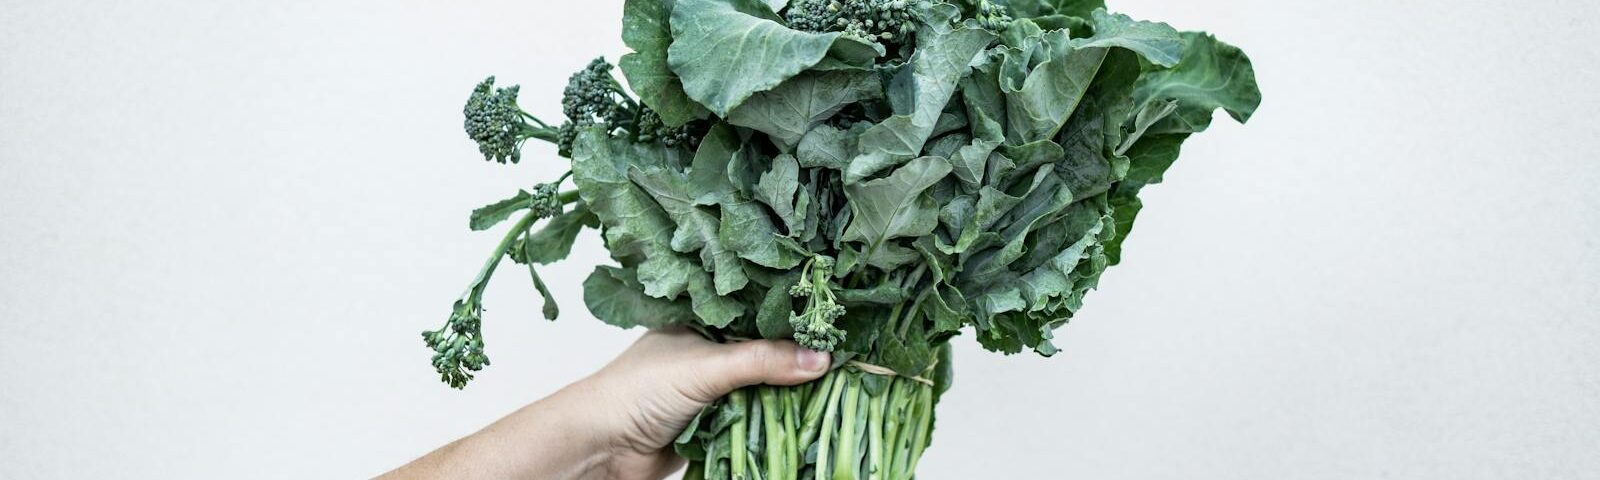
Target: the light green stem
pixel 814 408
pixel 776 464
pixel 875 436
pixel 736 460
pixel 827 428
pixel 924 426
pixel 844 464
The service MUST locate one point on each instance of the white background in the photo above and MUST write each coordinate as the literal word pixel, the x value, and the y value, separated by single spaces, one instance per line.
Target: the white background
pixel 222 225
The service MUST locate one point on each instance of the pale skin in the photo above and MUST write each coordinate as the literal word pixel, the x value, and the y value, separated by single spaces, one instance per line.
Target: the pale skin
pixel 619 423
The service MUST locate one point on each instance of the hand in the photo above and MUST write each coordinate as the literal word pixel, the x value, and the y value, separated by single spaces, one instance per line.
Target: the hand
pixel 620 422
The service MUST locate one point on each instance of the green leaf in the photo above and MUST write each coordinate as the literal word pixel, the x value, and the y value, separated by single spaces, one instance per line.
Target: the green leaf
pixel 748 230
pixel 697 227
pixel 895 206
pixel 725 51
pixel 551 310
pixel 647 30
pixel 885 294
pixel 772 320
pixel 1047 197
pixel 943 56
pixel 1054 278
pixel 1156 42
pixel 777 189
pixel 615 297
pixel 709 170
pixel 787 112
pixel 827 147
pixel 1078 8
pixel 554 242
pixel 1050 92
pixel 636 229
pixel 1150 160
pixel 910 354
pixel 745 228
pixel 947 308
pixel 1212 75
pixel 487 217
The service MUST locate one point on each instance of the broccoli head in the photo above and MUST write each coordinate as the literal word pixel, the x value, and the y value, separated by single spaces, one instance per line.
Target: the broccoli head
pixel 458 346
pixel 813 327
pixel 887 21
pixel 498 125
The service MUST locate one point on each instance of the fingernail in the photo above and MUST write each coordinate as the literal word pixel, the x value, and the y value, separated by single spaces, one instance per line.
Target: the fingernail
pixel 811 360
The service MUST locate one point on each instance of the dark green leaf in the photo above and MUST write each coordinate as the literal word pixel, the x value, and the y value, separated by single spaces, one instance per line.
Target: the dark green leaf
pixel 487 217
pixel 646 29
pixel 554 242
pixel 1212 75
pixel 615 297
pixel 725 53
pixel 788 111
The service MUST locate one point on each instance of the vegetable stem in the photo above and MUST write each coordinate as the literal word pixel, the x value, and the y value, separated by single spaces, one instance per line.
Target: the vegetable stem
pixel 775 435
pixel 825 435
pixel 845 466
pixel 736 455
pixel 499 254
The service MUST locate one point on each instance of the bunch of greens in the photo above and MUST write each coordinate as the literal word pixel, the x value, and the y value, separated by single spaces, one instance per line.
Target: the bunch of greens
pixel 866 177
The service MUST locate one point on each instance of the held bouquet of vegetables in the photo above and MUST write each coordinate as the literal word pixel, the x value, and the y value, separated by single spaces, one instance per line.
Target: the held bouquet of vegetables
pixel 866 177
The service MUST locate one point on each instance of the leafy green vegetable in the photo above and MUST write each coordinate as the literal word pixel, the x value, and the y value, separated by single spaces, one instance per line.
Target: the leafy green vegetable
pixel 866 177
pixel 646 28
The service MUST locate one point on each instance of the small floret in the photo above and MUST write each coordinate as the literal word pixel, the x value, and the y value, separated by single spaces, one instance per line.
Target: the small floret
pixel 458 346
pixel 886 21
pixel 546 200
pixel 593 97
pixel 498 125
pixel 990 15
pixel 813 327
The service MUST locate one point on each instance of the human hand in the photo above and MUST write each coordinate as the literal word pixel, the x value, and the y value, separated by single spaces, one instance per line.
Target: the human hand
pixel 619 423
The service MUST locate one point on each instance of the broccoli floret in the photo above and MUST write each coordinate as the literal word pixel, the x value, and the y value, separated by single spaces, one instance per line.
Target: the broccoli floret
pixel 594 97
pixel 498 125
pixel 990 15
pixel 458 346
pixel 887 21
pixel 546 200
pixel 651 129
pixel 813 327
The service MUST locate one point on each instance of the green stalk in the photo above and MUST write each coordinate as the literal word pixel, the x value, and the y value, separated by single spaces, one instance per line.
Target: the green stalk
pixel 482 280
pixel 814 408
pixel 791 422
pixel 736 461
pixel 875 435
pixel 755 428
pixel 924 426
pixel 845 466
pixel 905 393
pixel 776 464
pixel 826 429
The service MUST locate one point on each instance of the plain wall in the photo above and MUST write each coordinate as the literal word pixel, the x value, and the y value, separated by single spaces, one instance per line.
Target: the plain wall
pixel 223 224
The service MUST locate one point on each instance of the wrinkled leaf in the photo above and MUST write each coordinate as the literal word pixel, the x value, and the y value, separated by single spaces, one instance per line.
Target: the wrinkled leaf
pixel 646 29
pixel 725 53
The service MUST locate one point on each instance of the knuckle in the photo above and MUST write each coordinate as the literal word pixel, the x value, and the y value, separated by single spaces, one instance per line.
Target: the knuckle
pixel 759 354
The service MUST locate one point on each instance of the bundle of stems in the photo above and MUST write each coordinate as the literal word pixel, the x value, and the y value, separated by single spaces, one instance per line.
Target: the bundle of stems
pixel 851 424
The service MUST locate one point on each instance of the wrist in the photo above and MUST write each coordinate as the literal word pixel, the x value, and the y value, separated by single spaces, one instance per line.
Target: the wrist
pixel 556 438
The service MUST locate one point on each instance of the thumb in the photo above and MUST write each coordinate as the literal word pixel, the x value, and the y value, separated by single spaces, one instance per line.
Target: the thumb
pixel 761 362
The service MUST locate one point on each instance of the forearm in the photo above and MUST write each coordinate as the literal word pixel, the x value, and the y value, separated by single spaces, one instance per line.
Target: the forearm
pixel 549 439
